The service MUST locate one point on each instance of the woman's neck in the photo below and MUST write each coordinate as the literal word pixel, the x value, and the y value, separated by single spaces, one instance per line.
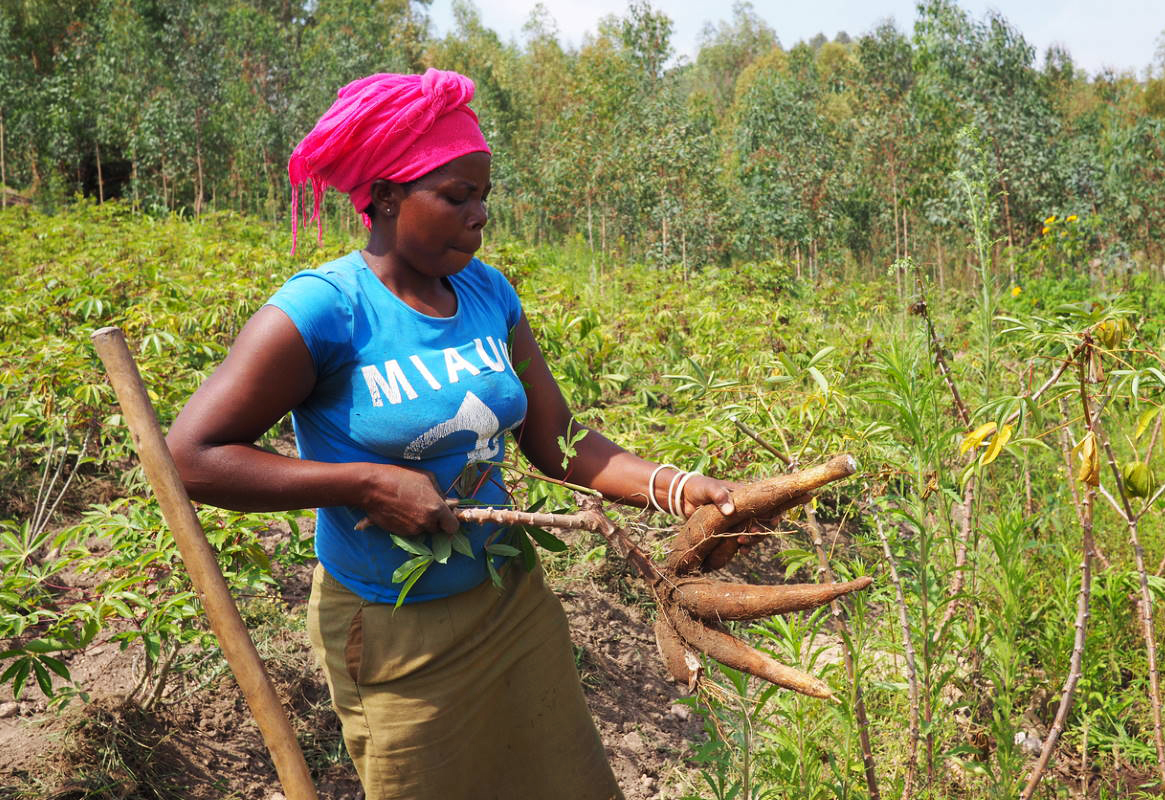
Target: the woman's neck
pixel 427 294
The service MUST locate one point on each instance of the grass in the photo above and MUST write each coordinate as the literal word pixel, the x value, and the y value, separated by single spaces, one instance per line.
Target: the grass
pixel 673 368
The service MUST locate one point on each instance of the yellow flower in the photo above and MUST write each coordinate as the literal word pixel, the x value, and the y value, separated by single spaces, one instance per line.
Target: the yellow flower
pixel 1046 229
pixel 1071 218
pixel 1016 291
pixel 1050 220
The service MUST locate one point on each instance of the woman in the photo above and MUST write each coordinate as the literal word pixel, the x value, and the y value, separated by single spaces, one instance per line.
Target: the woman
pixel 395 363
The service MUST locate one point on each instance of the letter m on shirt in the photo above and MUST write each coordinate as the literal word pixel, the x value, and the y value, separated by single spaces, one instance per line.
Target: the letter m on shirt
pixel 389 384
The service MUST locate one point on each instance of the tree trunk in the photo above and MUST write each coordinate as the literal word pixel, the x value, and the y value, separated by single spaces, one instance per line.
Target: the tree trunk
pixel 663 257
pixel 590 227
pixel 1007 216
pixel 905 235
pixel 198 162
pixel 941 279
pixel 100 181
pixel 35 187
pixel 133 176
pixel 897 236
pixel 3 167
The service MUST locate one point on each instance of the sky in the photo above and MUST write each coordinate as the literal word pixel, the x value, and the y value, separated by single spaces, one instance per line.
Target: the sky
pixel 1119 34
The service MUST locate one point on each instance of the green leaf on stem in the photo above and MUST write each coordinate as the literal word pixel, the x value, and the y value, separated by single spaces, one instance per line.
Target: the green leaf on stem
pixel 411 545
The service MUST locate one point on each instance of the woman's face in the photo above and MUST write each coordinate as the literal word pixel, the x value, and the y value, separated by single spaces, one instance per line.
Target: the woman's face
pixel 440 217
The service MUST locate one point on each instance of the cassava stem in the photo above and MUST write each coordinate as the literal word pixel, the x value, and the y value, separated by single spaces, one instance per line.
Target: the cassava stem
pixel 1075 663
pixel 841 627
pixel 718 600
pixel 911 668
pixel 508 516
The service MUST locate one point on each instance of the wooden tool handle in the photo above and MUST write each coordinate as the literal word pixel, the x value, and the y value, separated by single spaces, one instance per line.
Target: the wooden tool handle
pixel 200 562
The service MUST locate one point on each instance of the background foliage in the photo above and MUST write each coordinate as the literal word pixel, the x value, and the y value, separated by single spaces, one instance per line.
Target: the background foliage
pixel 811 243
pixel 751 150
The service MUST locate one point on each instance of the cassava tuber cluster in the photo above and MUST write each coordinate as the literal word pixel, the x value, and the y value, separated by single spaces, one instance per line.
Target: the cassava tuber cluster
pixel 692 609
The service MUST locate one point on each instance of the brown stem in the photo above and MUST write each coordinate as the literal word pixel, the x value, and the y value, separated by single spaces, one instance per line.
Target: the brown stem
pixel 1072 357
pixel 941 362
pixel 592 509
pixel 911 668
pixel 1153 438
pixel 750 433
pixel 839 624
pixel 505 516
pixel 574 487
pixel 1066 449
pixel 1145 605
pixel 509 516
pixel 1074 668
pixel 959 577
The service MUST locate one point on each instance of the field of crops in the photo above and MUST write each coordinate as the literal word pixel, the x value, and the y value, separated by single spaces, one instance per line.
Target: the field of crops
pixel 1007 505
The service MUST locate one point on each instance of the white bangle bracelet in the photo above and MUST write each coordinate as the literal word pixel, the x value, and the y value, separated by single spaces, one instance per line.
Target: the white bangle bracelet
pixel 680 493
pixel 671 502
pixel 651 486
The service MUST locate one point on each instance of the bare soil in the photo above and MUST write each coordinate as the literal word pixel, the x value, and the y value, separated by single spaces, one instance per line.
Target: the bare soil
pixel 199 742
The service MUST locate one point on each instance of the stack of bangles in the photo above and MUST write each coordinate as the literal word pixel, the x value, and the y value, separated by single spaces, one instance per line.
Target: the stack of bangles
pixel 675 489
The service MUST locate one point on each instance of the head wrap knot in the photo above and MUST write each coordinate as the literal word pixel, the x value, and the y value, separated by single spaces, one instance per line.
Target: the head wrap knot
pixel 395 127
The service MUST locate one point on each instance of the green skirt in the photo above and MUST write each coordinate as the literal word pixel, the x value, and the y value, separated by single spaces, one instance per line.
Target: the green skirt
pixel 472 696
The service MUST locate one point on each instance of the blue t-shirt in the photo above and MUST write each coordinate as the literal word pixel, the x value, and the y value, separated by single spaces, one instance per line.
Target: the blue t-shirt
pixel 395 386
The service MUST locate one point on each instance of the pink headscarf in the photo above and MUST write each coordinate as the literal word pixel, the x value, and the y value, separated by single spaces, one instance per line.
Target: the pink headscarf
pixel 395 127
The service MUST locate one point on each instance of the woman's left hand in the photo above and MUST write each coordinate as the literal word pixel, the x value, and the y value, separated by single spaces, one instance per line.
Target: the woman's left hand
pixel 701 490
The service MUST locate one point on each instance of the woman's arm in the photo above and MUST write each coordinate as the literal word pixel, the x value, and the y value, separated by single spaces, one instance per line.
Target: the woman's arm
pixel 268 372
pixel 599 463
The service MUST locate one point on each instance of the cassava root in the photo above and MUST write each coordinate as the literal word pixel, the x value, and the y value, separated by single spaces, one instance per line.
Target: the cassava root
pixel 731 652
pixel 718 600
pixel 690 609
pixel 763 499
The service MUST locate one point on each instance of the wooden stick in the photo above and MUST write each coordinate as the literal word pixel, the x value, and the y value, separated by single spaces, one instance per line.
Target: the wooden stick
pixel 204 570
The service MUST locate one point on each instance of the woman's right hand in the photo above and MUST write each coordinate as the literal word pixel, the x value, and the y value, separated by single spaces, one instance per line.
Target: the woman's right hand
pixel 406 501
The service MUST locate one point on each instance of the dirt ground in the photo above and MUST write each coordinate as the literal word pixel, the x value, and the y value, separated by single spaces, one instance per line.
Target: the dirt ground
pixel 201 743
